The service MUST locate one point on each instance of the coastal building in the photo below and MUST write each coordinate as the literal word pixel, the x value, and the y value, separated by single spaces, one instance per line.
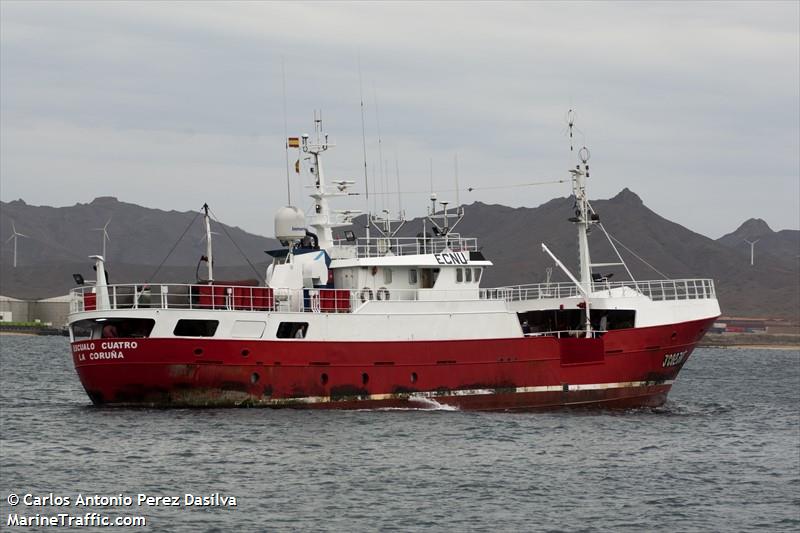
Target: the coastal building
pixel 52 311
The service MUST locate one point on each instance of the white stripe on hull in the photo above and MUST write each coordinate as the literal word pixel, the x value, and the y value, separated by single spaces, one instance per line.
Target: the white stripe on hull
pixel 430 395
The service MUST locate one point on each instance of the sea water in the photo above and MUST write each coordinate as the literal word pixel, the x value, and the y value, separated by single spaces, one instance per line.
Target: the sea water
pixel 722 455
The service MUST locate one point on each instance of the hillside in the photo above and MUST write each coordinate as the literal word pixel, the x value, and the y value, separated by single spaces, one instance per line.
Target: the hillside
pixel 784 244
pixel 61 239
pixel 511 239
pixel 138 235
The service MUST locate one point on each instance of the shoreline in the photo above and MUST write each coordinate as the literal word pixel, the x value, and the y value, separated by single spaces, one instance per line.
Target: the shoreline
pixel 34 331
pixel 785 347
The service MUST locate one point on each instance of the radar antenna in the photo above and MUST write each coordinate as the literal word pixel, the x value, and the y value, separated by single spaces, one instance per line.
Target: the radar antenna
pixel 570 118
pixel 363 142
pixel 322 220
pixel 285 135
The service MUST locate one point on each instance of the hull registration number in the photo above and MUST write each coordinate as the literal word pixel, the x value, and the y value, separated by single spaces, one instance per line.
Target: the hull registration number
pixel 675 358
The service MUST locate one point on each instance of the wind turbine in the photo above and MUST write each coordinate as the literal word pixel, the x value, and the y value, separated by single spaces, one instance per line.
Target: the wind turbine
pixel 14 236
pixel 104 229
pixel 752 249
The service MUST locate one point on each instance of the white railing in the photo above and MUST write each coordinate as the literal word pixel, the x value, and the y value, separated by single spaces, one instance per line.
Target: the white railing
pixel 261 299
pixel 381 246
pixel 174 296
pixel 658 290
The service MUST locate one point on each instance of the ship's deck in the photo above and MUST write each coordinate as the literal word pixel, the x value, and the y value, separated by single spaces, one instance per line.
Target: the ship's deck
pixel 261 299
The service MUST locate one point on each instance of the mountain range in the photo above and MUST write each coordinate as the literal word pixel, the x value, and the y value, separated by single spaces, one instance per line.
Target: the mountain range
pixel 60 239
pixel 784 243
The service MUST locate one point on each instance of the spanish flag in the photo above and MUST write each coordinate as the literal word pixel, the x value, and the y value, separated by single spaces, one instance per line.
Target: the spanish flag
pixel 294 142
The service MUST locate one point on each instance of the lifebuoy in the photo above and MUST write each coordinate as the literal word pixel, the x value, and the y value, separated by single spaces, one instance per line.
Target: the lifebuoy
pixel 383 293
pixel 365 294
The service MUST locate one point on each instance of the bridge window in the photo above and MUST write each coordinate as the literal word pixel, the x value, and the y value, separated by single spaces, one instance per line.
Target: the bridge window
pixel 412 276
pixel 387 275
pixel 468 275
pixel 478 272
pixel 459 275
pixel 195 328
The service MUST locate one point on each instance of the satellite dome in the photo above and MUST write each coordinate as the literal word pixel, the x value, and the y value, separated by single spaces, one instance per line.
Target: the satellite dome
pixel 290 224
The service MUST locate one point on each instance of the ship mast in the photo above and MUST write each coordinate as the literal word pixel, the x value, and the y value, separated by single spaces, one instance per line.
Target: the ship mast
pixel 322 222
pixel 584 218
pixel 209 254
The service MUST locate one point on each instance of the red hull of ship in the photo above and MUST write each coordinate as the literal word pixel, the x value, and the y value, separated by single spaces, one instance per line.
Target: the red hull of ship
pixel 624 368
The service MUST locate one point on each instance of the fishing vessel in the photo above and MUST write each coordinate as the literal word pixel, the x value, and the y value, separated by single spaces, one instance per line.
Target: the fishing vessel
pixel 383 321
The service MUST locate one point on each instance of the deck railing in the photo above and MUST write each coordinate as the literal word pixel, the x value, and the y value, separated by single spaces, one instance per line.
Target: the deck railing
pixel 657 290
pixel 261 299
pixel 244 298
pixel 381 246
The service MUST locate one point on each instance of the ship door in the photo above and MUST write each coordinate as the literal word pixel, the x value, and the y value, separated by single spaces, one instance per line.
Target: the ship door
pixel 427 277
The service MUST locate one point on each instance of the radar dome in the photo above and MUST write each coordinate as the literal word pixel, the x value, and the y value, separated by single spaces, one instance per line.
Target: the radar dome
pixel 290 224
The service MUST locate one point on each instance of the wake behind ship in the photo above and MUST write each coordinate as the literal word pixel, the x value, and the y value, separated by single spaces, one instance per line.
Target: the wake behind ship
pixel 388 321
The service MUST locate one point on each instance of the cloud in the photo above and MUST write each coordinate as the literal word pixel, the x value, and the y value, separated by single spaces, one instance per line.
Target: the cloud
pixel 693 106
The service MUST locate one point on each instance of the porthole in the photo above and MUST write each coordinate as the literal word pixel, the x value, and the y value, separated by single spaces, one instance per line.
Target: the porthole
pixel 198 351
pixel 245 352
pixel 364 378
pixel 413 377
pixel 324 379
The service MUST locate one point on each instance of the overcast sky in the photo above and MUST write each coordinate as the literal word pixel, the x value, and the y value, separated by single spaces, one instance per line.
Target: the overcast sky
pixel 694 106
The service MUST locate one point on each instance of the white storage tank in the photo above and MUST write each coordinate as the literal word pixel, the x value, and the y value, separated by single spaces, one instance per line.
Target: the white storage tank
pixel 290 224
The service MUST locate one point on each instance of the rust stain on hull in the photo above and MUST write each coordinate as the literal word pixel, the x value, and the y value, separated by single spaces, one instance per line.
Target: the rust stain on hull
pixel 652 395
